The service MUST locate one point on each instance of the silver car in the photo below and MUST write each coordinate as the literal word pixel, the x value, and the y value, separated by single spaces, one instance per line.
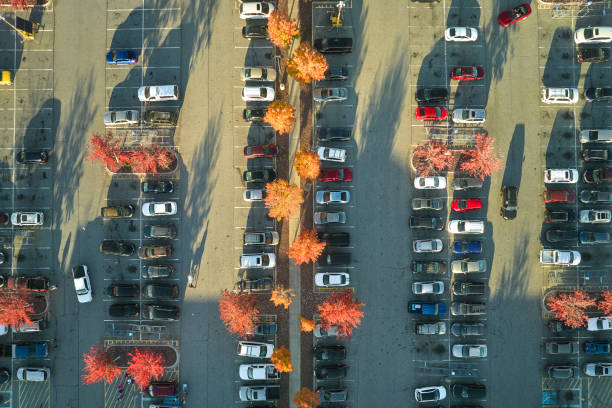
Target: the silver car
pixel 467 266
pixel 330 94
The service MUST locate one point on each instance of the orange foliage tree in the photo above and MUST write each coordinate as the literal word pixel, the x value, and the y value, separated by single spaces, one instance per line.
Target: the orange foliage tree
pixel 144 365
pixel 306 247
pixel 307 325
pixel 432 157
pixel 307 64
pixel 99 367
pixel 306 398
pixel 341 309
pixel 605 304
pixel 283 199
pixel 281 29
pixel 238 312
pixel 481 160
pixel 15 309
pixel 307 163
pixel 282 296
pixel 281 116
pixel 570 308
pixel 282 359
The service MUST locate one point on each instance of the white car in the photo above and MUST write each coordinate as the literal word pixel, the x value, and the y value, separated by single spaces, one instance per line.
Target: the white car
pixel 593 35
pixel 466 227
pixel 33 374
pixel 427 245
pixel 461 34
pixel 126 117
pixel 422 288
pixel 263 260
pixel 332 154
pixel 252 372
pixel 429 183
pixel 470 350
pixel 154 209
pixel 255 349
pixel 599 323
pixel 255 10
pixel 258 74
pixel 253 194
pixel 431 393
pixel 324 217
pixel 598 369
pixel 595 216
pixel 320 331
pixel 82 284
pixel 331 279
pixel 333 197
pixel 258 93
pixel 158 93
pixel 27 218
pixel 467 266
pixel 561 176
pixel 560 95
pixel 330 94
pixel 469 115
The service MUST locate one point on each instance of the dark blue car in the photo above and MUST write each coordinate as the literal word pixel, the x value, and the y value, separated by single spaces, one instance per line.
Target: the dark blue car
pixel 427 309
pixel 116 57
pixel 597 347
pixel 467 247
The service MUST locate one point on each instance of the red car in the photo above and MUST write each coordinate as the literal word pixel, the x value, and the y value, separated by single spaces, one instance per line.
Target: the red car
pixel 430 113
pixel 513 15
pixel 329 175
pixel 559 196
pixel 253 152
pixel 467 204
pixel 467 73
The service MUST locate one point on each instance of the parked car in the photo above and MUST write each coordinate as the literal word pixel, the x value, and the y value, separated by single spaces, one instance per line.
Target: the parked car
pixel 160 291
pixel 257 93
pixel 259 176
pixel 560 176
pixel 469 288
pixel 557 326
pixel 552 217
pixel 27 219
pixel 469 350
pixel 124 117
pixel 467 73
pixel 256 10
pixel 561 347
pixel 324 353
pixel 258 74
pixel 332 394
pixel 467 247
pixel 469 116
pixel 336 73
pixel 330 372
pixel 158 389
pixel 333 134
pixel 332 154
pixel 469 391
pixel 255 349
pixel 255 285
pixel 324 217
pixel 261 238
pixel 594 216
pixel 466 204
pixel 254 372
pixel 33 374
pixel 32 157
pixel 123 290
pixel 598 369
pixel 593 54
pixel 158 187
pixel 337 258
pixel 335 175
pixel 429 394
pixel 595 197
pixel 121 248
pixel 429 267
pixel 557 235
pixel 333 197
pixel 596 176
pixel 335 239
pixel 121 57
pixel 331 279
pixel 461 34
pixel 427 308
pixel 253 194
pixel 264 329
pixel 560 95
pixel 159 231
pixel 117 211
pixel 597 347
pixel 467 329
pixel 431 95
pixel 255 31
pixel 518 13
pixel 262 260
pixel 427 245
pixel 30 283
pixel 562 371
pixel 599 323
pixel 155 251
pixel 330 94
pixel 162 312
pixel 467 266
pixel 156 209
pixel 321 331
pixel 427 204
pixel 160 118
pixel 82 283
pixel 253 115
pixel 465 227
pixel 466 183
pixel 437 328
pixel 124 310
pixel 157 271
pixel 432 223
pixel 594 155
pixel 591 237
pixel 425 288
pixel 158 93
pixel 559 196
pixel 596 136
pixel 430 183
pixel 258 151
pixel 598 94
pixel 468 309
pixel 334 45
pixel 432 113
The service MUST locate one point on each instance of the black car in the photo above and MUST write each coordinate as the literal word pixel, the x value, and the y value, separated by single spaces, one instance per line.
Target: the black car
pixel 159 312
pixel 253 115
pixel 255 285
pixel 161 291
pixel 264 329
pixel 596 176
pixel 157 186
pixel 469 391
pixel 598 94
pixel 469 288
pixel 265 175
pixel 32 156
pixel 331 372
pixel 336 73
pixel 435 267
pixel 467 329
pixel 557 235
pixel 593 54
pixel 123 290
pixel 121 248
pixel 5 375
pixel 552 217
pixel 160 117
pixel 509 199
pixel 255 31
pixel 594 155
pixel 335 259
pixel 333 134
pixel 157 271
pixel 334 45
pixel 329 353
pixel 431 95
pixel 124 310
pixel 159 231
pixel 432 223
pixel 338 239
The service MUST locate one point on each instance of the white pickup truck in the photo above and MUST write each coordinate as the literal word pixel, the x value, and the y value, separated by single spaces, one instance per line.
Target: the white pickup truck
pixel 258 372
pixel 559 257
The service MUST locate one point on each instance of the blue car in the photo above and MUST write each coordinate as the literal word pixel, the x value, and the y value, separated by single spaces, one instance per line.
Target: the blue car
pixel 427 309
pixel 467 247
pixel 597 347
pixel 116 57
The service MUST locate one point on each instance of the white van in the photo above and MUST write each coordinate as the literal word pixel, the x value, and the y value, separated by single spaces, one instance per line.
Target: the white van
pixel 560 95
pixel 596 136
pixel 33 373
pixel 158 93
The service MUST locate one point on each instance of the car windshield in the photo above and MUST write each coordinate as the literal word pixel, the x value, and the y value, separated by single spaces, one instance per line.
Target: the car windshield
pixel 84 290
pixel 438 112
pixel 264 8
pixel 464 266
pixel 452 32
pixel 461 226
pixel 128 115
pixel 588 33
pixel 475 72
pixel 468 32
pixel 263 92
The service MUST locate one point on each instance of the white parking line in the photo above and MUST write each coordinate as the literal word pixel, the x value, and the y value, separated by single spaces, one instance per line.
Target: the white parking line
pixel 147 9
pixel 144 28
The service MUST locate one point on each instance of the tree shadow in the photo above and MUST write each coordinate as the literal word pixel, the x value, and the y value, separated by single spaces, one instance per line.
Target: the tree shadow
pixel 560 70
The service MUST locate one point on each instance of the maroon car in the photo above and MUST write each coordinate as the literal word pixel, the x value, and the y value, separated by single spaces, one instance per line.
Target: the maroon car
pixel 596 176
pixel 162 389
pixel 330 175
pixel 253 152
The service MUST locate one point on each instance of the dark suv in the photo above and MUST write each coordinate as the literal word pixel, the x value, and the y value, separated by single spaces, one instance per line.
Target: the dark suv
pixel 469 391
pixel 334 45
pixel 253 115
pixel 32 156
pixel 509 199
pixel 339 239
pixel 593 54
pixel 159 231
pixel 122 248
pixel 334 134
pixel 433 223
pixel 255 31
pixel 431 95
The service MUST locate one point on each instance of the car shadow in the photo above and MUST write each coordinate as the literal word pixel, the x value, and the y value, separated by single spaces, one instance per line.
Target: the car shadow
pixel 513 170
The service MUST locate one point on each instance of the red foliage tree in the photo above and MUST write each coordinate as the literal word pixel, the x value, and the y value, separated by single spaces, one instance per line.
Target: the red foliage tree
pixel 342 310
pixel 306 247
pixel 605 304
pixel 432 157
pixel 281 29
pixel 307 64
pixel 282 359
pixel 570 308
pixel 99 367
pixel 306 398
pixel 144 365
pixel 164 157
pixel 283 199
pixel 105 149
pixel 15 309
pixel 238 312
pixel 482 160
pixel 307 164
pixel 281 116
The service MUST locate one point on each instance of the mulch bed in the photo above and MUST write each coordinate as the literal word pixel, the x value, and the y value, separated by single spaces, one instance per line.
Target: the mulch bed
pixel 120 354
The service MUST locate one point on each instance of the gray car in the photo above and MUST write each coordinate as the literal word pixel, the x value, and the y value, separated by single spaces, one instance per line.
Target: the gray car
pixel 427 204
pixel 561 347
pixel 432 223
pixel 468 329
pixel 562 371
pixel 465 183
pixel 591 237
